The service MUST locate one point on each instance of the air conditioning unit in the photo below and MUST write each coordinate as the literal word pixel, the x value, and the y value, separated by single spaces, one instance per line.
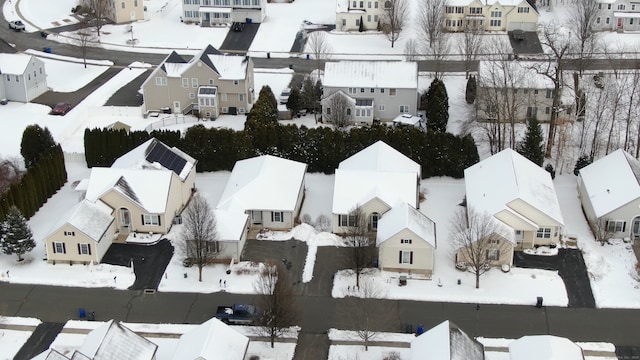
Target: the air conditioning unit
pixel 177 220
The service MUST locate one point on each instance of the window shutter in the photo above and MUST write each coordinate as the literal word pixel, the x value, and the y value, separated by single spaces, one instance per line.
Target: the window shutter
pixel 159 222
pixel 53 245
pixel 64 248
pixel 606 225
pixel 411 257
pixel 498 255
pixel 142 219
pixel 487 255
pixel 624 226
pixel 89 248
pixel 272 216
pixel 400 257
pixel 79 250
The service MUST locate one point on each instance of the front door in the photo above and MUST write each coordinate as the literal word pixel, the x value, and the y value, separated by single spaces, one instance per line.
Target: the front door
pixel 176 107
pixel 257 217
pixel 125 220
pixel 620 23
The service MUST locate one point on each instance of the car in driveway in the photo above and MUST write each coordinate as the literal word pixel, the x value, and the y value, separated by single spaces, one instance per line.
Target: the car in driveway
pixel 238 26
pixel 284 96
pixel 61 109
pixel 16 25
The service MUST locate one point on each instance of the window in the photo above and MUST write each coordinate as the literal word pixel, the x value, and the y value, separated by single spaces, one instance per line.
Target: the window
pixel 349 111
pixel 242 110
pixel 616 225
pixel 543 233
pixel 374 221
pixel 381 107
pixel 372 90
pixel 84 249
pixel 535 91
pixel 362 4
pixel 549 94
pixel 185 82
pixel 369 4
pixel 241 97
pixel 375 4
pixel 328 111
pixel 496 14
pixel 404 109
pixel 633 7
pixel 223 97
pixel 493 254
pixel 532 111
pixel 194 82
pixel 236 82
pixel 631 21
pixel 523 10
pixel 406 257
pixel 135 3
pixel 494 241
pixel 621 6
pixel 149 219
pixel 17 78
pixel 28 76
pixel 547 110
pixel 475 10
pixel 123 4
pixel 8 77
pixel 352 91
pixel 224 109
pixel 362 90
pixel 59 248
pixel 357 22
pixel 357 112
pixel 607 20
pixel 598 21
pixel 405 241
pixel 192 95
pixel 161 81
pixel 375 18
pixel 211 82
pixel 381 90
pixel 344 22
pixel 276 216
pixel 449 9
pixel 392 92
pixel 495 23
pixel 347 220
pixel 69 233
pixel 608 6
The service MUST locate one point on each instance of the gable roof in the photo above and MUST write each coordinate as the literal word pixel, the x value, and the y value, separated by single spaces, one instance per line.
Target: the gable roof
pixel 380 157
pixel 446 341
pixel 263 183
pixel 371 74
pixel 93 219
pixel 325 99
pixel 230 225
pixel 229 67
pixel 403 217
pixel 544 347
pixel 14 64
pixel 607 192
pixel 210 340
pixel 147 189
pixel 154 154
pixel 114 341
pixel 513 177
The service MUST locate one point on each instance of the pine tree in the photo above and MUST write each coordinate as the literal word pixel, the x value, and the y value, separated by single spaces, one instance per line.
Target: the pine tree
pixel 35 142
pixel 531 146
pixel 265 109
pixel 470 93
pixel 583 161
pixel 295 101
pixel 437 106
pixel 361 27
pixel 16 235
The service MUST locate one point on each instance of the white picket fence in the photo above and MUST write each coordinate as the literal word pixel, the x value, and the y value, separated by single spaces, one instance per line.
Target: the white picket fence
pixel 170 120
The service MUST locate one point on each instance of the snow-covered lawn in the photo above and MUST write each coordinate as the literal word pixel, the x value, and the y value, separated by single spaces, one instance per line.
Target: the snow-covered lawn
pixel 59 69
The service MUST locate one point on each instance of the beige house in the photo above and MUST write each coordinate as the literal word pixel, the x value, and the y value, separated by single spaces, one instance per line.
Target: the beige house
pixel 349 14
pixel 122 11
pixel 232 228
pixel 520 197
pixel 612 202
pixel 375 179
pixel 406 241
pixel 268 189
pixel 490 15
pixel 209 85
pixel 144 191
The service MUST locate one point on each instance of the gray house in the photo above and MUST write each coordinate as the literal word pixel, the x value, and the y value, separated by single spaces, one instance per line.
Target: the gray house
pixel 210 83
pixel 23 77
pixel 375 90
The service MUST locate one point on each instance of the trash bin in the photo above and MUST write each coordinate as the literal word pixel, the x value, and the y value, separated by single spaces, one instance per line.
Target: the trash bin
pixel 375 263
pixel 539 302
pixel 81 313
pixel 268 55
pixel 308 57
pixel 419 330
pixel 403 280
pixel 47 50
pixel 408 329
pixel 91 316
pixel 291 66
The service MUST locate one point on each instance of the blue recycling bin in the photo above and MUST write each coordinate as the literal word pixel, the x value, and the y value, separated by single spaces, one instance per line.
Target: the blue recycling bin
pixel 47 50
pixel 82 313
pixel 419 330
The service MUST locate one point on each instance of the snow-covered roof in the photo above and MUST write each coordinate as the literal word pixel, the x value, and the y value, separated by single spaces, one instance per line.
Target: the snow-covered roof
pixel 544 347
pixel 507 176
pixel 407 119
pixel 608 192
pixel 93 219
pixel 402 217
pixel 14 64
pixel 380 157
pixel 263 183
pixel 357 187
pixel 230 225
pixel 153 154
pixel 50 354
pixel 486 2
pixel 371 74
pixel 230 67
pixel 175 69
pixel 148 189
pixel 516 74
pixel 114 341
pixel 212 340
pixel 446 342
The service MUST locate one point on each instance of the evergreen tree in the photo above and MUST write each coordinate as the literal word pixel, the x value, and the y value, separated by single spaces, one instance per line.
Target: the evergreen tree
pixel 583 161
pixel 295 101
pixel 531 146
pixel 470 93
pixel 437 106
pixel 361 27
pixel 16 235
pixel 35 142
pixel 265 109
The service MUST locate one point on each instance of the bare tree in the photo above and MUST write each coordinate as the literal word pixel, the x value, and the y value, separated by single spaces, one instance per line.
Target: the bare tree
pixel 480 241
pixel 275 300
pixel 601 230
pixel 582 21
pixel 319 47
pixel 358 240
pixel 363 312
pixel 98 10
pixel 338 110
pixel 632 104
pixel 395 14
pixel 469 46
pixel 10 173
pixel 431 21
pixel 199 235
pixel 84 38
pixel 411 50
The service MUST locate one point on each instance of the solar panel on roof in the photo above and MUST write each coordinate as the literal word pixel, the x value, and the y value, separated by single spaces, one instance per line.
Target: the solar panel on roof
pixel 161 154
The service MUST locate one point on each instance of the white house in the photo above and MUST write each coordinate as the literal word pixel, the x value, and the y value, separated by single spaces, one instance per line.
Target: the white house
pixel 614 200
pixel 23 77
pixel 491 15
pixel 618 15
pixel 446 341
pixel 267 188
pixel 520 195
pixel 222 12
pixel 210 340
pixel 544 347
pixel 376 90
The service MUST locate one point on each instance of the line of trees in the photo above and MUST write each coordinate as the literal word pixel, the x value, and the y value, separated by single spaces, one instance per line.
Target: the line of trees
pixel 322 148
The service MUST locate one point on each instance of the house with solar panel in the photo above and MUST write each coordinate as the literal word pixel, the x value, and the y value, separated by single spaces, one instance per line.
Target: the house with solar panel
pixel 143 192
pixel 207 85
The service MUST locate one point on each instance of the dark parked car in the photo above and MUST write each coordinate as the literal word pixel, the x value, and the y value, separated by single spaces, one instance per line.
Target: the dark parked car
pixel 61 109
pixel 238 26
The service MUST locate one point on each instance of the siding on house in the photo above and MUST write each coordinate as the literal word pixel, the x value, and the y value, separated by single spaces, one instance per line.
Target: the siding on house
pixel 422 258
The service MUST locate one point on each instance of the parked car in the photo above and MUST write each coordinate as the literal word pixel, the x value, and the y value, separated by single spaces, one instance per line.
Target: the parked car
pixel 238 314
pixel 16 25
pixel 238 26
pixel 284 96
pixel 61 109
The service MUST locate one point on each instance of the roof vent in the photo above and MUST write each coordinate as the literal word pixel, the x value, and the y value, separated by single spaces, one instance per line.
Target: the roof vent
pixel 608 191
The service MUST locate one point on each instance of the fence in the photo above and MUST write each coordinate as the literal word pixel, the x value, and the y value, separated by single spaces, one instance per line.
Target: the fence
pixel 170 120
